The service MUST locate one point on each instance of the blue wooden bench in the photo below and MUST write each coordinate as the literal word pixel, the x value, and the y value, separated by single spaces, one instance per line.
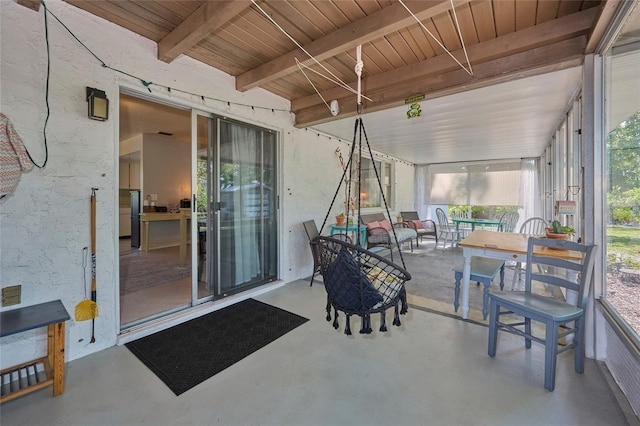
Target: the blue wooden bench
pixel 483 270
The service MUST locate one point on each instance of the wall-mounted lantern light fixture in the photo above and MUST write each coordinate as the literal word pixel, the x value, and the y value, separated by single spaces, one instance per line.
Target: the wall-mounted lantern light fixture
pixel 98 104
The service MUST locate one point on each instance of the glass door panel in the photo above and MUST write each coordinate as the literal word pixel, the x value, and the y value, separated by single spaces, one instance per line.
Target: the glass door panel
pixel 248 223
pixel 234 230
pixel 203 213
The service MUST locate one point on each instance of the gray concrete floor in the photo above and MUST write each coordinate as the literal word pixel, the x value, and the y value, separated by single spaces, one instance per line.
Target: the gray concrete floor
pixel 433 370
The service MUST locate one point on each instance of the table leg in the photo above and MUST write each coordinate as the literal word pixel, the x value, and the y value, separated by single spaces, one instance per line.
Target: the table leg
pixel 146 236
pixel 55 354
pixel 466 275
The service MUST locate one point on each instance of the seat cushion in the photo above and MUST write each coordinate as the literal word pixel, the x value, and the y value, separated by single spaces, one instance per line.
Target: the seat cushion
pixel 378 236
pixel 348 286
pixel 404 234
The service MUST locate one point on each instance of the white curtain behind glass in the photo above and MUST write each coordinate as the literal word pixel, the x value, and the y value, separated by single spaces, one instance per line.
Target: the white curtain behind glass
pixel 494 183
pixel 240 146
pixel 449 184
pixel 530 190
pixel 422 186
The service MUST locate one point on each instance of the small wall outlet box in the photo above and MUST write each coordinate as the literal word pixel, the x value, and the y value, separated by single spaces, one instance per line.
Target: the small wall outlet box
pixel 11 295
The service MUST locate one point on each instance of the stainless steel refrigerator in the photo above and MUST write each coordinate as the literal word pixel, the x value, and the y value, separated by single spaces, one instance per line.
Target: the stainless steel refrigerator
pixel 135 219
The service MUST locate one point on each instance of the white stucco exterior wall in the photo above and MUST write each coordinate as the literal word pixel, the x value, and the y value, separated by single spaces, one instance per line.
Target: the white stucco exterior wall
pixel 44 225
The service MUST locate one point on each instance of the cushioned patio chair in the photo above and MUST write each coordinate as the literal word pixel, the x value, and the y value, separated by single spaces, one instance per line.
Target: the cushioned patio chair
pixel 445 231
pixel 380 232
pixel 575 276
pixel 424 228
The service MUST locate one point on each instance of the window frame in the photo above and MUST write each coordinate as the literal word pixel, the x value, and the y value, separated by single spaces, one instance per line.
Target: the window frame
pixel 629 335
pixel 384 167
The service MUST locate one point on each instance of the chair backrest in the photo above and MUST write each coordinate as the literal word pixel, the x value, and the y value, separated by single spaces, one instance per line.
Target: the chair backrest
pixel 443 220
pixel 311 229
pixel 508 221
pixel 534 226
pixel 339 237
pixel 459 213
pixel 571 274
pixel 409 215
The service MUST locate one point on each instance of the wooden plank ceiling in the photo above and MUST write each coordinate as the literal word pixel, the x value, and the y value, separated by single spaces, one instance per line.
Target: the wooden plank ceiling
pixel 504 39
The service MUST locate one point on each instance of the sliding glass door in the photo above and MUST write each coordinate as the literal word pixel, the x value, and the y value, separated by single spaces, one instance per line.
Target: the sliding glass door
pixel 236 207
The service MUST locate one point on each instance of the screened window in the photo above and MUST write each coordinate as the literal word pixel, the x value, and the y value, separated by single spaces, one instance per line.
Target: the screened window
pixel 479 184
pixel 622 127
pixel 370 194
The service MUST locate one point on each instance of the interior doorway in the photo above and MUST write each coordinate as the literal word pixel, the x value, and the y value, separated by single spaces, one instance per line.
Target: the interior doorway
pixel 154 182
pixel 199 212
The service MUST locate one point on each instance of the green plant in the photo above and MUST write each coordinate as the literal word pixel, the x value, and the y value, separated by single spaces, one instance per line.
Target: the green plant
pixel 622 215
pixel 341 214
pixel 558 228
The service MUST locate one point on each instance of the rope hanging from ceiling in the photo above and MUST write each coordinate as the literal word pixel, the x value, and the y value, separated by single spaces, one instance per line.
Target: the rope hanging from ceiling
pixel 358 281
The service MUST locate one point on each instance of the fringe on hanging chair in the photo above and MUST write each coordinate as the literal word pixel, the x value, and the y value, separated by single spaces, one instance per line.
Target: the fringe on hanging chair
pixel 347 327
pixel 383 321
pixel 396 317
pixel 335 318
pixel 328 309
pixel 366 324
pixel 403 299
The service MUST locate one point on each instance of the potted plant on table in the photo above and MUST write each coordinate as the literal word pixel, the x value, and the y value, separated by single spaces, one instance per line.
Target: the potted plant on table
pixel 558 231
pixel 340 219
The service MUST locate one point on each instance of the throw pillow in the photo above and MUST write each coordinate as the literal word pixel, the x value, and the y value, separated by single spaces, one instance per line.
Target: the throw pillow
pixel 387 284
pixel 349 286
pixel 418 224
pixel 386 224
pixel 374 224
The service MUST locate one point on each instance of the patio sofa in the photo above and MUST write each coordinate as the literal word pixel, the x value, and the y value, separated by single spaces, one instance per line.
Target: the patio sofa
pixel 380 232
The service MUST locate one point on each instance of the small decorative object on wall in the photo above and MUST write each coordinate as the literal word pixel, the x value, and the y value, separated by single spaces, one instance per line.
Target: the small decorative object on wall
pixel 565 207
pixel 414 106
pixel 414 110
pixel 98 104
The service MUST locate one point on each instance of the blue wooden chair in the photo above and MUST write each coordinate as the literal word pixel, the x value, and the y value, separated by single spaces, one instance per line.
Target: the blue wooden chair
pixel 575 276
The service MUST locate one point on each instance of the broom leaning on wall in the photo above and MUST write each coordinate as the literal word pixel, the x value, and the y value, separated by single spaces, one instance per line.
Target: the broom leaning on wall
pixel 88 309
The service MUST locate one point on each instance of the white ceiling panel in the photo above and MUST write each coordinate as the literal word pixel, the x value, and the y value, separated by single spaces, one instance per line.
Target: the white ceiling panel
pixel 508 120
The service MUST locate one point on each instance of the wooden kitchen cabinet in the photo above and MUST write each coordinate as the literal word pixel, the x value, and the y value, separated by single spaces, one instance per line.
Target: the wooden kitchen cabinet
pixel 129 175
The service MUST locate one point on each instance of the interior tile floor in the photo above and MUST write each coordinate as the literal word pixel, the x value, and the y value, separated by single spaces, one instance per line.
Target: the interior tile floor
pixel 433 370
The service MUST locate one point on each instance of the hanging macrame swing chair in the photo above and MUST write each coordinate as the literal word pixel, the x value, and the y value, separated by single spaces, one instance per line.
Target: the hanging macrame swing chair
pixel 358 281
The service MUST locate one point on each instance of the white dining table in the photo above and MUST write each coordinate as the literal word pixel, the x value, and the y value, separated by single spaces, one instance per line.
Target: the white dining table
pixel 506 246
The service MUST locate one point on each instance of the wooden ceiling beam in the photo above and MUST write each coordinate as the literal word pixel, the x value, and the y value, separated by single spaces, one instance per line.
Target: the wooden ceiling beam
pixel 31 4
pixel 608 10
pixel 541 60
pixel 564 28
pixel 374 26
pixel 207 18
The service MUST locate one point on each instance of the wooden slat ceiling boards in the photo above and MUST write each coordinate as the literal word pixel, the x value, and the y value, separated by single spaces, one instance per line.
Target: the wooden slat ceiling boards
pixel 505 39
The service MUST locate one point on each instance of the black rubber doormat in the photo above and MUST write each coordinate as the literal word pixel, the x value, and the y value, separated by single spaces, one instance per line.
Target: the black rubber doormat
pixel 190 353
